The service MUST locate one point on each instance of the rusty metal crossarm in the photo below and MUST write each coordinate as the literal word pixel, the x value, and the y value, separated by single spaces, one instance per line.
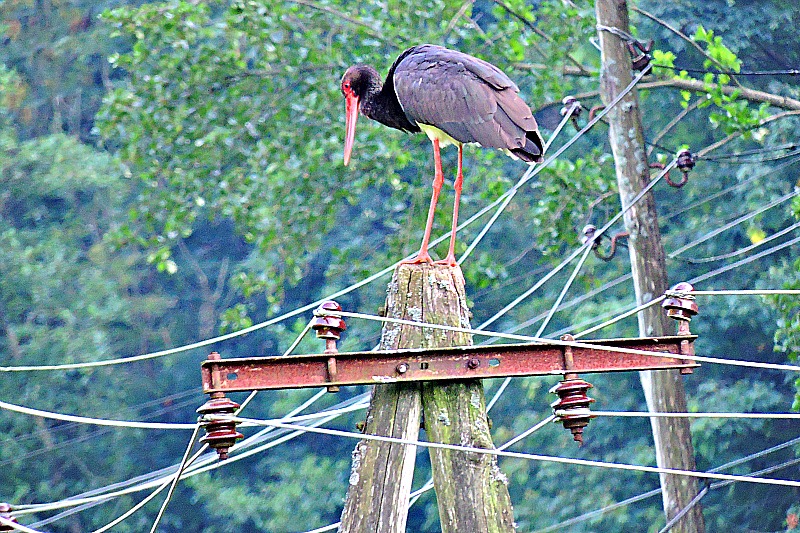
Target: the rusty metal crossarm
pixel 467 362
pixel 332 369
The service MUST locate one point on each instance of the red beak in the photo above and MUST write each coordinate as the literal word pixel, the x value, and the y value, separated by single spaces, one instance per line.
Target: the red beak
pixel 350 117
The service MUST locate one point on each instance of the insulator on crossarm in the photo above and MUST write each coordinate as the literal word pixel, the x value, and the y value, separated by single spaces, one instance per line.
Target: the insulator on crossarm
pixel 329 325
pixel 572 407
pixel 220 434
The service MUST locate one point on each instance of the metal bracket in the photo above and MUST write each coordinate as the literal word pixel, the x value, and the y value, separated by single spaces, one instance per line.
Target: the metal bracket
pixel 463 362
pixel 334 369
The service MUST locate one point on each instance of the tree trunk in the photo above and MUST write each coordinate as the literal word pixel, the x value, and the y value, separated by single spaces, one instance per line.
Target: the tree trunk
pixel 471 491
pixel 663 389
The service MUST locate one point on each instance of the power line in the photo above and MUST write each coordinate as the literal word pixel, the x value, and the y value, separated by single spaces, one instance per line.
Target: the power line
pixel 94 421
pixel 428 485
pixel 572 303
pixel 746 260
pixel 781 72
pixel 753 160
pixel 533 457
pixel 621 316
pixel 706 199
pixel 688 507
pixel 512 336
pixel 655 414
pixel 507 381
pixel 754 151
pixel 648 494
pixel 210 462
pixel 176 478
pixel 746 249
pixel 734 223
pixel 16 527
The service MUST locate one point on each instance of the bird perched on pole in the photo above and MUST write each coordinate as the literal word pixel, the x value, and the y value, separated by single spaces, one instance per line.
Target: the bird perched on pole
pixel 454 98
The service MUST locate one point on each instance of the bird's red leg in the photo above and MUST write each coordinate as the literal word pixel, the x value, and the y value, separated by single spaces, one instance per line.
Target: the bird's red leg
pixel 423 256
pixel 450 260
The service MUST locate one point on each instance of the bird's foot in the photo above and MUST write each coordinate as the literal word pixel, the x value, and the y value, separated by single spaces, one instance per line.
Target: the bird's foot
pixel 422 257
pixel 450 261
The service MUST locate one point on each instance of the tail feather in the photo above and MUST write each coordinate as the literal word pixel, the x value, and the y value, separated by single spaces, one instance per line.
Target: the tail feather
pixel 533 151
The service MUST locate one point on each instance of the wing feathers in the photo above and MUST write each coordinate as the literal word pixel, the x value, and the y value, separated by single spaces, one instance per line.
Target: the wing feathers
pixel 467 98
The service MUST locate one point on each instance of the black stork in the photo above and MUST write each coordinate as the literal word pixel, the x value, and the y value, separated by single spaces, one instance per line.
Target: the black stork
pixel 454 98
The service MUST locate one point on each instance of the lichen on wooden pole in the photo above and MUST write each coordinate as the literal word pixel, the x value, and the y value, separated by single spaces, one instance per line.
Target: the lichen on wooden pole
pixel 471 490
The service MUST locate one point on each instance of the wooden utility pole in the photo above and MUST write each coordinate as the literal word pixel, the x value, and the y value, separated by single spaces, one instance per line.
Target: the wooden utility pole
pixel 663 389
pixel 471 491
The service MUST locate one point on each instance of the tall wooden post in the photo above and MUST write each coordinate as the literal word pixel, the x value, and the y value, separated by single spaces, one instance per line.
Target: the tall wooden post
pixel 663 389
pixel 471 492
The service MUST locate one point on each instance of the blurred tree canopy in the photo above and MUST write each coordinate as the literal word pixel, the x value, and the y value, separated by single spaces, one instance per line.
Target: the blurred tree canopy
pixel 172 170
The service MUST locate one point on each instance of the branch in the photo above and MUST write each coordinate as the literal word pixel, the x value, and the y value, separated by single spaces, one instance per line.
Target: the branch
pixel 368 27
pixel 539 32
pixel 753 95
pixel 453 21
pixel 736 134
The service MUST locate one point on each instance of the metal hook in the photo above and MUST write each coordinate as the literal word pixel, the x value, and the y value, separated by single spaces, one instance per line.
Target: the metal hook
pixel 589 232
pixel 675 184
pixel 593 111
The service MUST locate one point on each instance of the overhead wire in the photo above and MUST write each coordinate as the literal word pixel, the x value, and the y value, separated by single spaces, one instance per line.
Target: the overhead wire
pixel 93 421
pixel 734 223
pixel 754 151
pixel 534 457
pixel 176 479
pixel 16 527
pixel 599 512
pixel 746 260
pixel 167 404
pixel 714 196
pixel 654 414
pixel 255 438
pixel 744 250
pixel 507 381
pixel 513 336
pixel 572 303
pixel 688 507
pixel 428 485
pixel 207 464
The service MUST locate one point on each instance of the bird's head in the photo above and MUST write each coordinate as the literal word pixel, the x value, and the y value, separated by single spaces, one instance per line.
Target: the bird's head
pixel 356 83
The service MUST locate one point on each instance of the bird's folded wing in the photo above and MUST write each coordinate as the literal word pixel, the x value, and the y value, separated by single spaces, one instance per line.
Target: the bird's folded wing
pixel 467 98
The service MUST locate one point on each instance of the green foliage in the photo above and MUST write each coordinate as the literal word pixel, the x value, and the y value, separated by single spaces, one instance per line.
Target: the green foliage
pixel 734 114
pixel 59 49
pixel 304 487
pixel 229 204
pixel 197 122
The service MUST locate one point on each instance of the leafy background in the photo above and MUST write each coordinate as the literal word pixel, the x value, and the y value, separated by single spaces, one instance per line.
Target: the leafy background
pixel 172 170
